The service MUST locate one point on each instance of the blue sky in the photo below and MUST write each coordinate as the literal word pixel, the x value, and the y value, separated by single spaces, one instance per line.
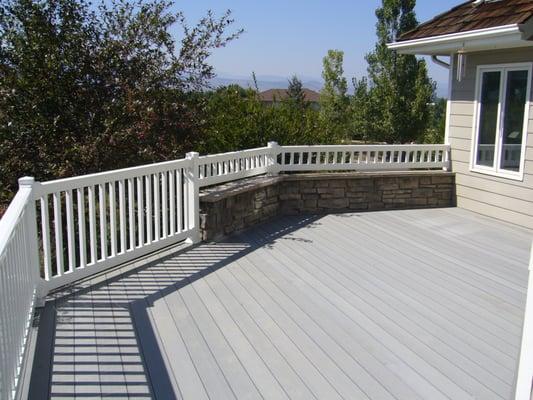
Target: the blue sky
pixel 285 37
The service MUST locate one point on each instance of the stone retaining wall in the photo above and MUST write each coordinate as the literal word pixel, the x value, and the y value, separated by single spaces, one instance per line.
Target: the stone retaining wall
pixel 362 192
pixel 235 206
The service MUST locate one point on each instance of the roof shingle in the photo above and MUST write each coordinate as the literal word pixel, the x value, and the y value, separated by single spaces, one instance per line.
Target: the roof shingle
pixel 469 16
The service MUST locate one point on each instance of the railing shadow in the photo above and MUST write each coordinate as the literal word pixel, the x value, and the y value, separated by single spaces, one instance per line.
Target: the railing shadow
pixel 104 339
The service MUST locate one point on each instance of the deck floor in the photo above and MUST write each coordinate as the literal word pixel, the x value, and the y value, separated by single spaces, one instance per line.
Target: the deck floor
pixel 406 305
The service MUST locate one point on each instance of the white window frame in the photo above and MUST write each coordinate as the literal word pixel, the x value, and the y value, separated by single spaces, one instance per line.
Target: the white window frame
pixel 495 170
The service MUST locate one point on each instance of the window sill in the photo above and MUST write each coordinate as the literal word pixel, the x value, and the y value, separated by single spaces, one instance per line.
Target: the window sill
pixel 515 176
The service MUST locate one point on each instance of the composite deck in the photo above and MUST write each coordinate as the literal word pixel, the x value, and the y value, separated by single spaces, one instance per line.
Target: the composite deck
pixel 420 304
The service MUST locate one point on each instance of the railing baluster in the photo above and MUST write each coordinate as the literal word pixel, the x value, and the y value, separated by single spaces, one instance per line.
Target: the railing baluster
pixel 179 199
pixel 131 214
pixel 149 216
pixel 58 230
pixel 92 224
pixel 140 212
pixel 122 214
pixel 157 217
pixel 113 218
pixel 201 171
pixel 186 200
pixel 164 207
pixel 172 201
pixel 103 220
pixel 45 228
pixel 82 241
pixel 70 231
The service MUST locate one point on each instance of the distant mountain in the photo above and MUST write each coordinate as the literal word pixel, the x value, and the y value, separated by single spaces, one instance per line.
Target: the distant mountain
pixel 266 82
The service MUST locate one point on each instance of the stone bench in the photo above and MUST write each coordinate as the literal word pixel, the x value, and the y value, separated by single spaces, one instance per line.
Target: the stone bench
pixel 238 205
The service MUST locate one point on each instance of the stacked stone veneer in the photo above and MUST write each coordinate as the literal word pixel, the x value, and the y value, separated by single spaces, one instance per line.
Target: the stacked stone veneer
pixel 235 206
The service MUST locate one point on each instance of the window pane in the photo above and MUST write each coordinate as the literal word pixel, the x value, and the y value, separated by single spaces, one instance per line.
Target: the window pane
pixel 488 119
pixel 513 125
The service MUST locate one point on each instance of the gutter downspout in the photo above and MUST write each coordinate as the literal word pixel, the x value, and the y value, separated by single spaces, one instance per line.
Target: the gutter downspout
pixel 447 128
pixel 449 67
pixel 436 60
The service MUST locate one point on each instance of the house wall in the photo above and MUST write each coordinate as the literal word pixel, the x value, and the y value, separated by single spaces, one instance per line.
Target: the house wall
pixel 500 198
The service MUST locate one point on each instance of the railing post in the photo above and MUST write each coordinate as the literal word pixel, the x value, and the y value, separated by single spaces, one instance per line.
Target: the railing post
pixel 448 159
pixel 524 380
pixel 273 166
pixel 194 198
pixel 32 239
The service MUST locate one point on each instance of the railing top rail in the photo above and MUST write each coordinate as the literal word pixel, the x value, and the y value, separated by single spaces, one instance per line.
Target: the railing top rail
pixel 368 146
pixel 101 177
pixel 12 215
pixel 259 150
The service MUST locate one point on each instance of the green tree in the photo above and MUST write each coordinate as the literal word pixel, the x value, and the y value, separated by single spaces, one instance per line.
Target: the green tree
pixel 398 93
pixel 437 125
pixel 295 91
pixel 236 119
pixel 84 89
pixel 333 96
pixel 359 109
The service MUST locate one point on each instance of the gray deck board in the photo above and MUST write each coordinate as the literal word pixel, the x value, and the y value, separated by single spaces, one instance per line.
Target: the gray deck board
pixel 396 305
pixel 391 318
pixel 419 299
pixel 329 292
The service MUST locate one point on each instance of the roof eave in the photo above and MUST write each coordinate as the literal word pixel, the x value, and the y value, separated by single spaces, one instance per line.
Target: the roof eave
pixel 501 37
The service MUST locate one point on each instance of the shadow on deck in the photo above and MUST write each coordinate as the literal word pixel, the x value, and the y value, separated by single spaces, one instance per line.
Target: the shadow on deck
pixel 90 335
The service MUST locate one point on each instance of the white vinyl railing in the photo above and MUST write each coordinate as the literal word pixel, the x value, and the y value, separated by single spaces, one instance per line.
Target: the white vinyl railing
pixel 93 222
pixel 219 168
pixel 57 232
pixel 363 158
pixel 524 381
pixel 19 283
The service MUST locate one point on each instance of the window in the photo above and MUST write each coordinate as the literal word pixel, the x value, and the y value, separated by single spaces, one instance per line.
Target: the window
pixel 501 119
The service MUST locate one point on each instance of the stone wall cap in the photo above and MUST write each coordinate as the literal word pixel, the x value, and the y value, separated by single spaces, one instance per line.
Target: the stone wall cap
pixel 362 175
pixel 219 192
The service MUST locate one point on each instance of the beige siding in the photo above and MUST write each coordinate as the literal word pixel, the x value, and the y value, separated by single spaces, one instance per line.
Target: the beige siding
pixel 505 199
